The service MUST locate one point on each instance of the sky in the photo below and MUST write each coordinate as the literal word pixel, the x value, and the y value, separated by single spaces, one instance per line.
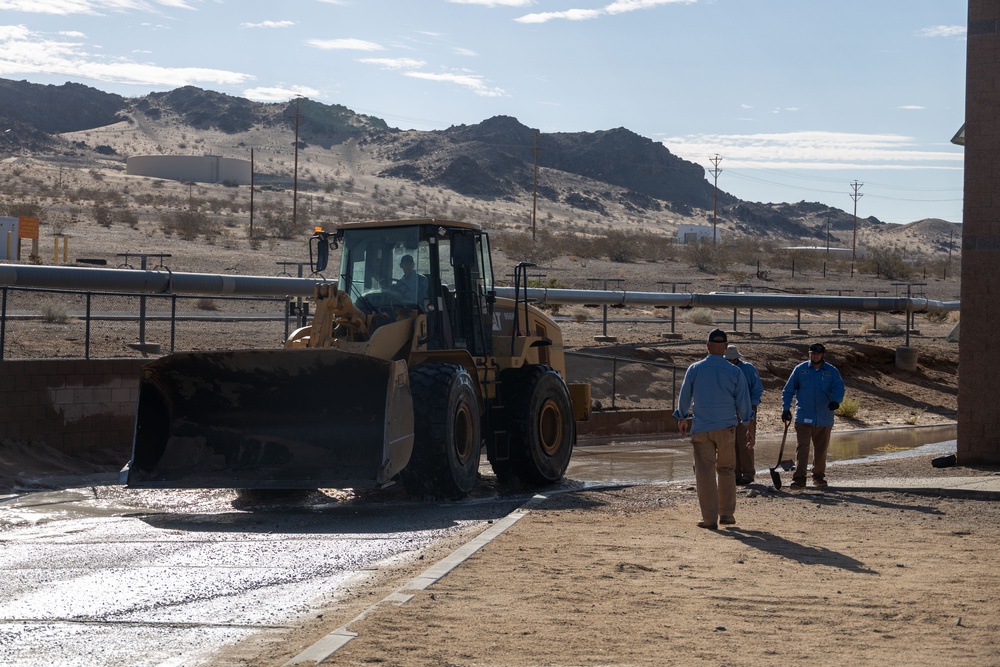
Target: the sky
pixel 796 100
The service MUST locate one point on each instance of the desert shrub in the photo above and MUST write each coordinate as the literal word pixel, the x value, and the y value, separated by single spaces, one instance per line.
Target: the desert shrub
pixel 886 262
pixel 619 246
pixel 579 315
pixel 55 312
pixel 189 225
pixel 519 246
pixel 706 256
pixel 28 209
pixel 937 317
pixel 280 225
pixel 700 316
pixel 890 327
pixel 848 407
pixel 205 303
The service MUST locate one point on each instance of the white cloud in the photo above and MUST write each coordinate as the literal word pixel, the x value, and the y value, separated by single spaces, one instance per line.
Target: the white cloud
pixel 279 94
pixel 24 52
pixel 471 81
pixel 460 51
pixel 72 33
pixel 943 31
pixel 622 6
pixel 617 7
pixel 345 45
pixel 813 150
pixel 394 63
pixel 569 15
pixel 269 24
pixel 911 107
pixel 91 7
pixel 494 3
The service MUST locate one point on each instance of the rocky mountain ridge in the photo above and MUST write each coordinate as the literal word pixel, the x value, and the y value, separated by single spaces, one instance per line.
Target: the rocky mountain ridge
pixel 607 179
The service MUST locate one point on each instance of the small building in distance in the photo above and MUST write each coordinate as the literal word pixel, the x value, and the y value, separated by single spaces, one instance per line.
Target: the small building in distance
pixel 696 233
pixel 197 168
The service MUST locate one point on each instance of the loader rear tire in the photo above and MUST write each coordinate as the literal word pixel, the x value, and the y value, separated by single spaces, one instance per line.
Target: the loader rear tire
pixel 447 440
pixel 539 421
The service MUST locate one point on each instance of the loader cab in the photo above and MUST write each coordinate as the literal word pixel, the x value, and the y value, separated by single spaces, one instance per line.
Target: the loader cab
pixel 441 269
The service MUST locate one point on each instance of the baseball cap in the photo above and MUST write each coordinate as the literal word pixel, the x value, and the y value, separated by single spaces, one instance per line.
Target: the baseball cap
pixel 732 352
pixel 817 347
pixel 717 336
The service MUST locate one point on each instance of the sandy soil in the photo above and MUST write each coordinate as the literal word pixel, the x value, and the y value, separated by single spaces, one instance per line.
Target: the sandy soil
pixel 624 577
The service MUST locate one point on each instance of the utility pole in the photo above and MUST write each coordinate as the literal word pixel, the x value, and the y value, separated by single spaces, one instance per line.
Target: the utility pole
pixel 715 198
pixel 295 177
pixel 534 193
pixel 251 193
pixel 856 195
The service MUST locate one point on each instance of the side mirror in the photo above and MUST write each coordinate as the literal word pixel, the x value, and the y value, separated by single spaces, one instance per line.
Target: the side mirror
pixel 319 240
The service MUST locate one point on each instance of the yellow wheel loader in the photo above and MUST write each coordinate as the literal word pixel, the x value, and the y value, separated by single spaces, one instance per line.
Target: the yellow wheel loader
pixel 410 365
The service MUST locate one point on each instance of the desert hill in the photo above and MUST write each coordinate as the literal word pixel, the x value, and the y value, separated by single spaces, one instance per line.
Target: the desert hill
pixel 67 145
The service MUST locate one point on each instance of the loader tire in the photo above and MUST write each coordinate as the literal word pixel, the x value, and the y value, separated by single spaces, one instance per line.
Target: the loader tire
pixel 447 440
pixel 539 420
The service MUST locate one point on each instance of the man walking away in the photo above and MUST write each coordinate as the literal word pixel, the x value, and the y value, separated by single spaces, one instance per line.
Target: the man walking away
pixel 818 390
pixel 720 396
pixel 745 468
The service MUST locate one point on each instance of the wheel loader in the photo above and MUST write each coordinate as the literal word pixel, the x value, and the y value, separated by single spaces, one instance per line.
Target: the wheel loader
pixel 410 365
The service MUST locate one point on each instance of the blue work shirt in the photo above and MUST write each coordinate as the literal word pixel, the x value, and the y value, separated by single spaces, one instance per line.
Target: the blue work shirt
pixel 754 384
pixel 719 392
pixel 813 389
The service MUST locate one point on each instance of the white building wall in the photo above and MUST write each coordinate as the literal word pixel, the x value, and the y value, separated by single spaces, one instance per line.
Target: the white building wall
pixel 695 233
pixel 198 168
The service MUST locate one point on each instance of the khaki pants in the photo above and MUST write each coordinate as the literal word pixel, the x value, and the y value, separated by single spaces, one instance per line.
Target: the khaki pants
pixel 820 436
pixel 715 457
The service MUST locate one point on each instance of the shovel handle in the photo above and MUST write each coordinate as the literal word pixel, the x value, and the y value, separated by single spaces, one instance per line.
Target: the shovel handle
pixel 781 451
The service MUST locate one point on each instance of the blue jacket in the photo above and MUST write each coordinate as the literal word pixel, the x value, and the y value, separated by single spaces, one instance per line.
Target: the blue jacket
pixel 719 392
pixel 813 389
pixel 754 384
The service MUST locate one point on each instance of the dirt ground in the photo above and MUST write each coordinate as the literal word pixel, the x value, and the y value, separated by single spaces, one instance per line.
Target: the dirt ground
pixel 623 576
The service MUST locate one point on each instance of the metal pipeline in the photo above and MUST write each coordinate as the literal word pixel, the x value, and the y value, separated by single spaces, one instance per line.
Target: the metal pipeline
pixel 732 300
pixel 152 282
pixel 168 282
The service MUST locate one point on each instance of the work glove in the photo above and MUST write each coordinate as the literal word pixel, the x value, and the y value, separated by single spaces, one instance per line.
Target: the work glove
pixel 833 405
pixel 786 416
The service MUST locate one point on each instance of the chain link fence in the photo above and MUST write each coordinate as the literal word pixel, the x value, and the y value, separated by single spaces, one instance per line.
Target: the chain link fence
pixel 49 323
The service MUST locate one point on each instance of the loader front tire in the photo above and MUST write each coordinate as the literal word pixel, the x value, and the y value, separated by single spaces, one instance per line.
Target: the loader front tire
pixel 539 421
pixel 447 440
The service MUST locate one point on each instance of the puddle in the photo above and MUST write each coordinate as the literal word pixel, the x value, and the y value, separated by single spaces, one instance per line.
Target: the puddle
pixel 669 459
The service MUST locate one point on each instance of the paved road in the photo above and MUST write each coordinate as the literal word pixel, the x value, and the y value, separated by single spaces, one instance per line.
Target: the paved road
pixel 102 575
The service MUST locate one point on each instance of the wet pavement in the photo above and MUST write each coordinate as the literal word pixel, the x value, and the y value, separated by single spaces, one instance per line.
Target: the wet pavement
pixel 107 576
pixel 668 459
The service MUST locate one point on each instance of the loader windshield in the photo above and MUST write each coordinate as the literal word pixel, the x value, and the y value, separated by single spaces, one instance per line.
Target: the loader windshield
pixel 385 267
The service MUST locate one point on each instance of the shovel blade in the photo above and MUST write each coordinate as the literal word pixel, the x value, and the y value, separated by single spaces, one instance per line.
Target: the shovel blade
pixel 776 478
pixel 787 465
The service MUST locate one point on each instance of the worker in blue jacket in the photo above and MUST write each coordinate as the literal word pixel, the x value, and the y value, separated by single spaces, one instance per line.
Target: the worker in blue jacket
pixel 745 467
pixel 818 390
pixel 719 394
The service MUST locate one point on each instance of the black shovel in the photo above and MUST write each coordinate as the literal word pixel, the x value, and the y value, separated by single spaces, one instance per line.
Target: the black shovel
pixel 785 465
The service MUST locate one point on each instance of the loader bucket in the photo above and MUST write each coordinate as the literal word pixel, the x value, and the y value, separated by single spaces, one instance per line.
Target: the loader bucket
pixel 271 419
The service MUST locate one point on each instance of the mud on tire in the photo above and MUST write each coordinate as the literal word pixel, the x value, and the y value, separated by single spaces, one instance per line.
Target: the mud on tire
pixel 447 440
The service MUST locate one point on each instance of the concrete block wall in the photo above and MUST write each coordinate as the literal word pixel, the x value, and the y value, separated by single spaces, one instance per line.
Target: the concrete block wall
pixel 627 422
pixel 83 408
pixel 979 365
